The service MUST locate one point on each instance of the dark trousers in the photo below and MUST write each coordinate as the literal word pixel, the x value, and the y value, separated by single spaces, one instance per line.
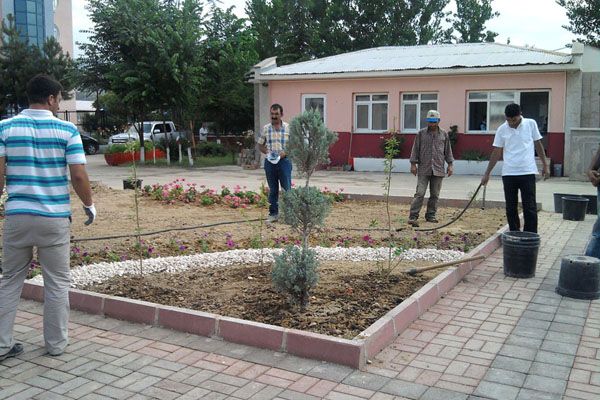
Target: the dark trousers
pixel 280 173
pixel 526 184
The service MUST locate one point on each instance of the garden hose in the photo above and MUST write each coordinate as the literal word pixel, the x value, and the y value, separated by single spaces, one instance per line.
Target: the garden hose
pixel 88 239
pixel 414 271
pixel 453 220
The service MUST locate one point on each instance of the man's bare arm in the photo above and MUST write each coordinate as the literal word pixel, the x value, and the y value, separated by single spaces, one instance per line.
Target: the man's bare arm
pixel 81 183
pixel 542 154
pixel 592 172
pixel 494 157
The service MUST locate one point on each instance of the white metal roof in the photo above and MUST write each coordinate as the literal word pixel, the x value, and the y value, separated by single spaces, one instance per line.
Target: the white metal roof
pixel 425 57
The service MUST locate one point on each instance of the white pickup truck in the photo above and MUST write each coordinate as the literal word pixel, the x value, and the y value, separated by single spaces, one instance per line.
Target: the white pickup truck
pixel 154 131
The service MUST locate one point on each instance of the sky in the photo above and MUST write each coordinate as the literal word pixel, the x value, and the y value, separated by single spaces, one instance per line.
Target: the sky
pixel 536 23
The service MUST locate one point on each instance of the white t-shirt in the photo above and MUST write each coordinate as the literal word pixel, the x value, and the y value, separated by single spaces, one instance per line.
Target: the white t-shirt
pixel 518 147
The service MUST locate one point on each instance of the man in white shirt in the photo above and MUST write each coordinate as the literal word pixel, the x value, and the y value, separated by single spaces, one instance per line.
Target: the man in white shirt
pixel 516 140
pixel 203 133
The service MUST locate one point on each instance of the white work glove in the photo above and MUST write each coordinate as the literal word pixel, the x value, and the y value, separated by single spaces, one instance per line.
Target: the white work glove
pixel 90 212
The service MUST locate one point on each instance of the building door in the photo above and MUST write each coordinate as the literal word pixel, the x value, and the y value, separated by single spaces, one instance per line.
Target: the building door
pixel 535 106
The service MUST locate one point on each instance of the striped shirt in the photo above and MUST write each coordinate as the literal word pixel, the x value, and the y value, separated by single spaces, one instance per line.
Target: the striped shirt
pixel 275 139
pixel 38 147
pixel 430 150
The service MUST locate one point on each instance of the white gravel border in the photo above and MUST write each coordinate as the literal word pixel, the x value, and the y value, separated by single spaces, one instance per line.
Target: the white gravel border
pixel 100 272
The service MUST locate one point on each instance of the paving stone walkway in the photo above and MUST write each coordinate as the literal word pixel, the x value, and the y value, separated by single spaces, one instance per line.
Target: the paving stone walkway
pixel 491 337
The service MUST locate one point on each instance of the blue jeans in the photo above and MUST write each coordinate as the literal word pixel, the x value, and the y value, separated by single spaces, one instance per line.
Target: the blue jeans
pixel 280 173
pixel 593 247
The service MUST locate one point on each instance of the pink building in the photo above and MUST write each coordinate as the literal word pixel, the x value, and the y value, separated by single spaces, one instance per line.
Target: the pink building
pixel 364 94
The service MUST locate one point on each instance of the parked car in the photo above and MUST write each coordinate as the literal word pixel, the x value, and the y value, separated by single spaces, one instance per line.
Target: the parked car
pixel 90 145
pixel 153 131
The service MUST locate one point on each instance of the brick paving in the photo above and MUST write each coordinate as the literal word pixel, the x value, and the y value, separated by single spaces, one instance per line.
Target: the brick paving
pixel 490 337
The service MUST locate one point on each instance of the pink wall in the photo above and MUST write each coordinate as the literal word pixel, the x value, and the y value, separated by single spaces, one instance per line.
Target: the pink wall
pixel 452 94
pixel 369 145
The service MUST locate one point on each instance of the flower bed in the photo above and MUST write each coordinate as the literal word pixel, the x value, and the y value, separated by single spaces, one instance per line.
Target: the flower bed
pixel 126 157
pixel 346 286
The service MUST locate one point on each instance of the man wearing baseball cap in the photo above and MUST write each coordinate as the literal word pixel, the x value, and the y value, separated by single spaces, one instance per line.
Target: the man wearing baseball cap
pixel 429 152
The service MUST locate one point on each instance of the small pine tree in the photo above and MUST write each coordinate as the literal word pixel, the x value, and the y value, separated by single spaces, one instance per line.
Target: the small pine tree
pixel 304 208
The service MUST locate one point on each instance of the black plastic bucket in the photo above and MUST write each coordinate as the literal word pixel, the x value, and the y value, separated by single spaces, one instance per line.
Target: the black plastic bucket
pixel 574 208
pixel 520 253
pixel 558 201
pixel 579 277
pixel 592 207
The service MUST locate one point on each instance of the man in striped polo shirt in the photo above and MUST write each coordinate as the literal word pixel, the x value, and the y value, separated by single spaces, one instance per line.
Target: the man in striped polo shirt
pixel 278 167
pixel 35 150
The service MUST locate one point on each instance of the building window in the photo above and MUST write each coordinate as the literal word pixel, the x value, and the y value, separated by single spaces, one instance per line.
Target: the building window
pixel 29 20
pixel 486 109
pixel 56 32
pixel 414 110
pixel 315 102
pixel 370 112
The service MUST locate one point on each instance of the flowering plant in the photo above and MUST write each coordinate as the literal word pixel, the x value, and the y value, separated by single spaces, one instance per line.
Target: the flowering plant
pixel 180 190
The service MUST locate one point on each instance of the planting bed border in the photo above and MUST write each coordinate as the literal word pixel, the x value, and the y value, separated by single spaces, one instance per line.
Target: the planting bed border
pixel 351 352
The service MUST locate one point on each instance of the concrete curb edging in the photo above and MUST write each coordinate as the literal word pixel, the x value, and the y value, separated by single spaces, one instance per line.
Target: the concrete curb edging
pixel 351 352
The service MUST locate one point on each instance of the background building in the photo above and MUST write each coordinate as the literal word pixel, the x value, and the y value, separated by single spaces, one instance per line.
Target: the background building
pixel 364 95
pixel 37 20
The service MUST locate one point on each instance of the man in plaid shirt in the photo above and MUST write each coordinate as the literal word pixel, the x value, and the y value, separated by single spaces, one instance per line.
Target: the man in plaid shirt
pixel 278 167
pixel 430 149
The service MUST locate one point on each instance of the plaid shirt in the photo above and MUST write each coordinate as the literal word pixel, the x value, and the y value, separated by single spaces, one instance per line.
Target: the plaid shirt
pixel 430 150
pixel 275 139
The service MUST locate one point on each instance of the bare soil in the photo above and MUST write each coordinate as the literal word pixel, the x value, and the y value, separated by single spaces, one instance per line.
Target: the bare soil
pixel 349 296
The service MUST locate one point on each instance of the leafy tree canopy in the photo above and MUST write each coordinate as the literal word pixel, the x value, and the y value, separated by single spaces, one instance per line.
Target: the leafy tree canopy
pixel 295 30
pixel 584 19
pixel 470 19
pixel 20 61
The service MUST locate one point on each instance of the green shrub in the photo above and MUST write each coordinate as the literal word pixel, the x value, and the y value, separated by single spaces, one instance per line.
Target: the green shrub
pixel 474 155
pixel 124 147
pixel 173 146
pixel 294 272
pixel 211 149
pixel 393 144
pixel 304 208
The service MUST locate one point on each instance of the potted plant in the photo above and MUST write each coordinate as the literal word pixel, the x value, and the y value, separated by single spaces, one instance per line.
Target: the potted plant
pixel 132 183
pixel 117 154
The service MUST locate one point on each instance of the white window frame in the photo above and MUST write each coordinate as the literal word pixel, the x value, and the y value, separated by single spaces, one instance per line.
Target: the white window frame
pixel 418 102
pixel 370 103
pixel 516 99
pixel 316 96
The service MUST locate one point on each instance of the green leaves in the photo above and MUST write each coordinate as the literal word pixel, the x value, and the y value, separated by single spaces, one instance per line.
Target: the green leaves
pixel 309 142
pixel 470 19
pixel 295 273
pixel 20 61
pixel 147 51
pixel 584 19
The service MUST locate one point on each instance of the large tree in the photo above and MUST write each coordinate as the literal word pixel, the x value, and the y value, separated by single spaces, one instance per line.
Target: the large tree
pixel 150 49
pixel 20 61
pixel 296 30
pixel 584 19
pixel 228 54
pixel 470 19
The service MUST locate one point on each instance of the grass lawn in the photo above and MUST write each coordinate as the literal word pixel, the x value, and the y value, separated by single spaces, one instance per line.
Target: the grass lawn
pixel 199 162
